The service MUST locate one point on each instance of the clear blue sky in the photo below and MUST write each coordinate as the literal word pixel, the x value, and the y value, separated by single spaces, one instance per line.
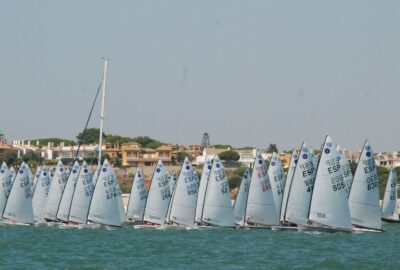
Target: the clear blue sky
pixel 248 72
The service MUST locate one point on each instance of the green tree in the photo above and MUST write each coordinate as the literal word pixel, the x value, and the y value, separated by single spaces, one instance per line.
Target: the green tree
pixel 272 148
pixel 229 156
pixel 56 141
pixel 3 137
pixel 147 142
pixel 31 156
pixel 234 182
pixel 8 156
pixel 222 146
pixel 180 157
pixel 117 139
pixel 91 136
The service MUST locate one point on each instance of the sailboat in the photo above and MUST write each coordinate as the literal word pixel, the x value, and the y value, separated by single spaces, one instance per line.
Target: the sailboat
pixel 57 186
pixel 158 198
pixel 346 171
pixel 329 209
pixel 300 191
pixel 5 186
pixel 365 210
pixel 289 178
pixel 66 199
pixel 39 196
pixel 239 208
pixel 105 207
pixel 217 208
pixel 183 201
pixel 277 178
pixel 202 190
pixel 13 174
pixel 260 208
pixel 82 196
pixel 137 199
pixel 390 212
pixel 18 209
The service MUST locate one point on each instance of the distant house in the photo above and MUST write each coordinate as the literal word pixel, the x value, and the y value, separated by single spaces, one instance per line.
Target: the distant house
pixel 387 160
pixel 86 151
pixel 6 147
pixel 23 147
pixel 133 155
pixel 208 153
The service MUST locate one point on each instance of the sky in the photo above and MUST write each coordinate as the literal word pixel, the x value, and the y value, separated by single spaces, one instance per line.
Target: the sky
pixel 249 73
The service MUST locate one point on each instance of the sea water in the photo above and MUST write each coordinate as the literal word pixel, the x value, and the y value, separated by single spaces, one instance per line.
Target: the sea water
pixel 127 248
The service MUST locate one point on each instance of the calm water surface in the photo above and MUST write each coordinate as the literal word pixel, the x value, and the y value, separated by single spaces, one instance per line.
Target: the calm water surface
pixel 127 248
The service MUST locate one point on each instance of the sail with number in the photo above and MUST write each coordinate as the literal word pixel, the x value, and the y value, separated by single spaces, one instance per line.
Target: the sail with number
pixel 39 196
pixel 19 204
pixel 365 210
pixel 57 186
pixel 301 189
pixel 389 203
pixel 218 210
pixel 202 189
pixel 277 177
pixel 329 206
pixel 346 171
pixel 13 174
pixel 66 199
pixel 5 186
pixel 183 202
pixel 239 208
pixel 105 207
pixel 172 181
pixel 260 208
pixel 82 196
pixel 137 199
pixel 288 182
pixel 158 197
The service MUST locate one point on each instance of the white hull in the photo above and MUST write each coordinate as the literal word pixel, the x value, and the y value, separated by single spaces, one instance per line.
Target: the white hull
pixel 321 229
pixel 284 228
pixel 146 226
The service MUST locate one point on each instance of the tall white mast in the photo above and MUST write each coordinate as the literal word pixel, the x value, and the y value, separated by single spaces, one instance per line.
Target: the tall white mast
pixel 102 106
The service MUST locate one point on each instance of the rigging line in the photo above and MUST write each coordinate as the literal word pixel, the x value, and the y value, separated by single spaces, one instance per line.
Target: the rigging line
pixel 87 121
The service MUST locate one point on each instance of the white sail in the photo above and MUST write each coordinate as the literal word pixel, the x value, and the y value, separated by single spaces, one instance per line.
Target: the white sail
pixel 300 192
pixel 96 175
pixel 36 178
pixel 172 181
pixel 66 199
pixel 40 195
pixel 158 197
pixel 346 171
pixel 289 178
pixel 5 186
pixel 82 196
pixel 389 204
pixel 57 186
pixel 202 189
pixel 329 205
pixel 19 204
pixel 261 209
pixel 105 205
pixel 183 202
pixel 121 208
pixel 218 210
pixel 13 174
pixel 239 209
pixel 137 199
pixel 277 178
pixel 364 205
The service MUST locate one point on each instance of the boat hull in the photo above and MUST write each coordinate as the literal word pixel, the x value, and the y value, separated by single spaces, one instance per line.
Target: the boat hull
pixel 388 220
pixel 321 229
pixel 284 228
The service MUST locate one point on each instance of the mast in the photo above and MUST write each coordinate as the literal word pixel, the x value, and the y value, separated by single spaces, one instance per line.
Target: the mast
pixel 102 107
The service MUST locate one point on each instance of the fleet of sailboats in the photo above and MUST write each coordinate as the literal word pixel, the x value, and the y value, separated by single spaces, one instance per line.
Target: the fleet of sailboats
pixel 318 195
